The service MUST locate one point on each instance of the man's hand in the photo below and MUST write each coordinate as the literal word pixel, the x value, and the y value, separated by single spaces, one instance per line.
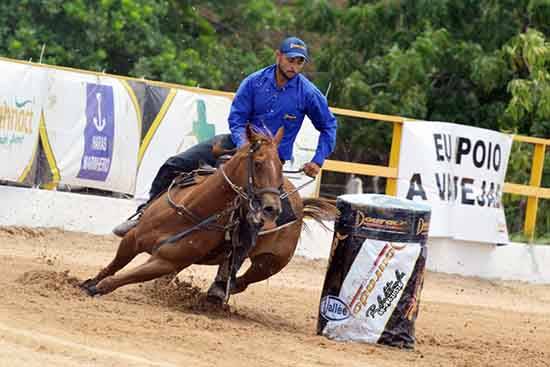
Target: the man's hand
pixel 311 169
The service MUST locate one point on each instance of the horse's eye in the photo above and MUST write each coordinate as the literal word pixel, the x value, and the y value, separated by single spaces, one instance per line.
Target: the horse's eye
pixel 258 165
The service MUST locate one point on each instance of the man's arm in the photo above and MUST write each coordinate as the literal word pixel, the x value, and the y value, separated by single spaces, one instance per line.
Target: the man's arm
pixel 325 122
pixel 241 109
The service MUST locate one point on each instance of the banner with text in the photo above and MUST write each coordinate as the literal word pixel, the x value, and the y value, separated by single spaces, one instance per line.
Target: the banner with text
pixel 458 170
pixel 105 132
pixel 184 119
pixel 92 127
pixel 22 89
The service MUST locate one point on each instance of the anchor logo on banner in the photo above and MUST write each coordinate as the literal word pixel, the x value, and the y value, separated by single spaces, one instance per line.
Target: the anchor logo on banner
pixel 98 133
pixel 99 122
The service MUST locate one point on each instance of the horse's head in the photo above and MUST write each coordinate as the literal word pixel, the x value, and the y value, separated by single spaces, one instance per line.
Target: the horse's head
pixel 257 168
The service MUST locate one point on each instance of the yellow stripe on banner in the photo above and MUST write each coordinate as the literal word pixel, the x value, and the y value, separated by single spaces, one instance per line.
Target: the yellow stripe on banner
pixel 153 129
pixel 56 177
pixel 27 169
pixel 135 102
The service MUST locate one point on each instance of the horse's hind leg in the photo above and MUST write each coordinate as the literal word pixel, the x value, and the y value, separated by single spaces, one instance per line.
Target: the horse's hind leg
pixel 272 254
pixel 154 267
pixel 262 267
pixel 127 251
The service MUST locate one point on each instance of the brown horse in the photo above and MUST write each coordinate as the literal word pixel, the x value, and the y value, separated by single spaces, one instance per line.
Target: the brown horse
pixel 189 225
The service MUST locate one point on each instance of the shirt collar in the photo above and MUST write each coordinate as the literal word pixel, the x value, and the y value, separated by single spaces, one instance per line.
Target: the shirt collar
pixel 271 77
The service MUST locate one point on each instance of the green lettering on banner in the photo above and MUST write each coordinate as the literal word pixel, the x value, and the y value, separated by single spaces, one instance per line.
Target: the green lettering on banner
pixel 11 139
pixel 203 130
pixel 17 139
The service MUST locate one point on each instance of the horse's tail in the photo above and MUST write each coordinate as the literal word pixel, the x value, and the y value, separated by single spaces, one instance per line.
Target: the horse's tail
pixel 320 210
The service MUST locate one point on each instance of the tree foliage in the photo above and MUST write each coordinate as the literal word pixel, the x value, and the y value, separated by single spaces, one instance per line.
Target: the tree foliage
pixel 484 63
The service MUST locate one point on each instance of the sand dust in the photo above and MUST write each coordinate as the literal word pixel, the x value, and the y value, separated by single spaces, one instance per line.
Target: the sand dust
pixel 45 320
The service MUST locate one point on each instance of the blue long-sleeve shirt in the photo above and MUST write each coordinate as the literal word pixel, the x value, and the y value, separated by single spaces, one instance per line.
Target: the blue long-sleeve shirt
pixel 262 103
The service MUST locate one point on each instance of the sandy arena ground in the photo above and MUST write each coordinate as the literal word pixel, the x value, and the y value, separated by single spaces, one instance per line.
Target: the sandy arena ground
pixel 46 321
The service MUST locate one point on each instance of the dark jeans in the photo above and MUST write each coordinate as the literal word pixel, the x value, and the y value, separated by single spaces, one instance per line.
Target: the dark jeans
pixel 187 161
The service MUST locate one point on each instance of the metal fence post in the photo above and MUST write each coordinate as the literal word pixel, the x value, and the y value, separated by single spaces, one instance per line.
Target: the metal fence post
pixel 533 201
pixel 391 183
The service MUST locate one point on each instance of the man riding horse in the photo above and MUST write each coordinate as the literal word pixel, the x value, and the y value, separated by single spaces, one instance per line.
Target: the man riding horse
pixel 273 97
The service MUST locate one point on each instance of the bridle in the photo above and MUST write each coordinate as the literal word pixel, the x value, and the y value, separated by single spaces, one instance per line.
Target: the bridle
pixel 251 194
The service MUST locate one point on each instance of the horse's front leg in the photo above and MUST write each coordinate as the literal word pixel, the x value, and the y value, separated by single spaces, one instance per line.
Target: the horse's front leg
pixel 153 268
pixel 217 292
pixel 246 239
pixel 127 251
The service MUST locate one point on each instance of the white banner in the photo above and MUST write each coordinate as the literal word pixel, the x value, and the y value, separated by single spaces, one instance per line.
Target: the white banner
pixel 191 118
pixel 304 150
pixel 22 90
pixel 91 133
pixel 458 170
pixel 93 130
pixel 185 120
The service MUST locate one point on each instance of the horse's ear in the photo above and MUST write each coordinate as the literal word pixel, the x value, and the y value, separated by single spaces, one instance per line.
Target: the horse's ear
pixel 250 134
pixel 279 135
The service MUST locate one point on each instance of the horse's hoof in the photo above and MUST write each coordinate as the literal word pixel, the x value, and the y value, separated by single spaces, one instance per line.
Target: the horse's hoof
pixel 216 293
pixel 89 286
pixel 88 283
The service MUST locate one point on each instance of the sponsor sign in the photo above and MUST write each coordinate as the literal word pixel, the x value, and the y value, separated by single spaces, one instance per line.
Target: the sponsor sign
pixel 21 95
pixel 459 171
pixel 98 133
pixel 16 121
pixel 185 119
pixel 91 128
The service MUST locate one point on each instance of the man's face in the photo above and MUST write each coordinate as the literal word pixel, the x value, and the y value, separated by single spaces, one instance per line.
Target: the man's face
pixel 290 66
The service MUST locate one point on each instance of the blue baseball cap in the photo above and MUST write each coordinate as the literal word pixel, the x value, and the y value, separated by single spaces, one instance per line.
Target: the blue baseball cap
pixel 294 47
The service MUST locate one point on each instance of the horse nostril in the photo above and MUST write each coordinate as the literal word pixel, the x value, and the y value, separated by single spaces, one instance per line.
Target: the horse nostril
pixel 271 210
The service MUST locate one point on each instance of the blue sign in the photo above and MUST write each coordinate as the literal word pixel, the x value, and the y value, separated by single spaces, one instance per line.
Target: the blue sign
pixel 99 132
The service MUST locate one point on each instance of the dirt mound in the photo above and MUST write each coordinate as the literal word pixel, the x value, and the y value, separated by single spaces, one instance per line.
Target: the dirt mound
pixel 181 295
pixel 59 282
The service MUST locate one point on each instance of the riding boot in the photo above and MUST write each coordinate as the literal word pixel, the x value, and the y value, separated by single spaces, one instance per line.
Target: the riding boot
pixel 131 222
